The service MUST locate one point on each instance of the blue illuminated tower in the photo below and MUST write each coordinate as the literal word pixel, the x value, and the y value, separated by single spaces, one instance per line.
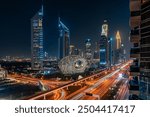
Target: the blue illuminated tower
pixel 37 40
pixel 64 40
pixel 104 54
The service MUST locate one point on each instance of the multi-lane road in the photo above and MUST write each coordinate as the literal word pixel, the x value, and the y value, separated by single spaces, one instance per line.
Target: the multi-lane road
pixel 50 84
pixel 99 89
pixel 96 86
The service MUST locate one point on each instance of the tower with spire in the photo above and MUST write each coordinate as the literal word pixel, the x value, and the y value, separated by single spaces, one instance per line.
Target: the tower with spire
pixel 118 40
pixel 119 49
pixel 103 46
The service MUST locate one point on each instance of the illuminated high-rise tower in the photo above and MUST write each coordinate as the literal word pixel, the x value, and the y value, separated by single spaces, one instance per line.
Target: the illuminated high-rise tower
pixel 118 49
pixel 88 51
pixel 64 40
pixel 71 50
pixel 118 40
pixel 96 52
pixel 104 45
pixel 37 40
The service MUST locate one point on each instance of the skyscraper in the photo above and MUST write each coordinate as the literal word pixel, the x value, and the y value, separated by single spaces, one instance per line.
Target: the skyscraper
pixel 72 50
pixel 140 36
pixel 37 40
pixel 135 19
pixel 64 40
pixel 111 52
pixel 145 51
pixel 77 51
pixel 96 52
pixel 118 40
pixel 104 45
pixel 88 51
pixel 118 48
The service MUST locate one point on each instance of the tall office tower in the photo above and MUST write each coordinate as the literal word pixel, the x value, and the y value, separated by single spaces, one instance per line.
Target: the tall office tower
pixel 77 51
pixel 37 40
pixel 118 40
pixel 118 50
pixel 135 19
pixel 88 51
pixel 71 50
pixel 46 55
pixel 104 45
pixel 96 52
pixel 145 51
pixel 122 53
pixel 111 52
pixel 64 40
pixel 96 57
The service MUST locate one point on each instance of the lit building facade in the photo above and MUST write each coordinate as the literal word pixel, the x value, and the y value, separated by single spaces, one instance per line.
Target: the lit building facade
pixel 135 19
pixel 96 52
pixel 3 73
pixel 77 51
pixel 64 40
pixel 72 50
pixel 140 36
pixel 88 51
pixel 111 52
pixel 118 48
pixel 118 40
pixel 145 51
pixel 104 45
pixel 46 55
pixel 37 54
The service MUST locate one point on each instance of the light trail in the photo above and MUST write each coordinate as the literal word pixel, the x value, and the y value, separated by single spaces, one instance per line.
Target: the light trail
pixel 98 83
pixel 43 95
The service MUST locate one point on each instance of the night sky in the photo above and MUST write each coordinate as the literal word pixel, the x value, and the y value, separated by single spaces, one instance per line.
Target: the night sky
pixel 83 17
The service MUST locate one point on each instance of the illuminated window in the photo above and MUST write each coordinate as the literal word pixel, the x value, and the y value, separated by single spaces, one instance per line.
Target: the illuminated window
pixel 40 23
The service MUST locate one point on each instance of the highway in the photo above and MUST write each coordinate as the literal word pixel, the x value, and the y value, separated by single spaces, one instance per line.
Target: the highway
pixel 96 84
pixel 50 84
pixel 102 86
pixel 123 92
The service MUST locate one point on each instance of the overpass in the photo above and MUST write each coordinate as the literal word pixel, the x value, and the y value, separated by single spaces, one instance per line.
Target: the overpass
pixel 43 95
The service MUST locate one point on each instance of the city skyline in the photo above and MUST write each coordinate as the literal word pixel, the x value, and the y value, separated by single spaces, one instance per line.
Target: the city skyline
pixel 75 50
pixel 75 18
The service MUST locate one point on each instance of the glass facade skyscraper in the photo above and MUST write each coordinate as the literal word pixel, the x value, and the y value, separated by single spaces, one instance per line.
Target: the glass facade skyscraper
pixel 37 40
pixel 64 40
pixel 104 45
pixel 88 51
pixel 145 50
pixel 118 40
pixel 118 48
